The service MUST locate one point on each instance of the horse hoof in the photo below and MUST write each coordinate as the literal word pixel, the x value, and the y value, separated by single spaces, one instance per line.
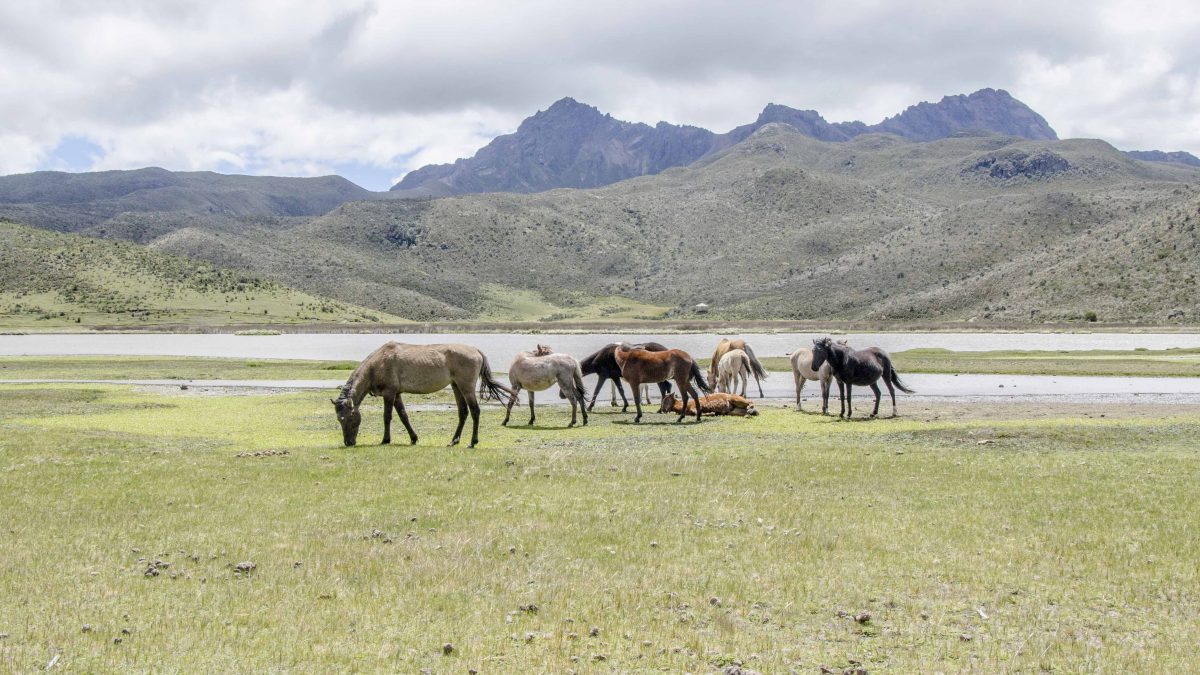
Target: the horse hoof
pixel 530 423
pixel 386 441
pixel 412 440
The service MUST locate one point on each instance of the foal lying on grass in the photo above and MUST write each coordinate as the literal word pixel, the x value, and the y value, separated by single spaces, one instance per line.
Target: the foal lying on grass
pixel 712 404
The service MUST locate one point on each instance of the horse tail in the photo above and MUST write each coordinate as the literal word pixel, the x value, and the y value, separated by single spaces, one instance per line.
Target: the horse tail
pixel 698 377
pixel 760 373
pixel 580 393
pixel 895 377
pixel 488 386
pixel 576 384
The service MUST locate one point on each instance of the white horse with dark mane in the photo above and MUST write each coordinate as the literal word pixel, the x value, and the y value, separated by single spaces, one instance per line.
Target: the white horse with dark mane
pixel 802 371
pixel 735 366
pixel 541 369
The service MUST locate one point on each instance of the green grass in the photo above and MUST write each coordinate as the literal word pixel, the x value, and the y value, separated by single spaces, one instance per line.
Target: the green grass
pixel 502 303
pixel 50 280
pixel 1067 542
pixel 168 368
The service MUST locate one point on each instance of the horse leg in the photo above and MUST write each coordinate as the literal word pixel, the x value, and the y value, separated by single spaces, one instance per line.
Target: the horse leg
pixel 695 397
pixel 799 388
pixel 746 383
pixel 473 405
pixel 612 393
pixel 513 399
pixel 621 389
pixel 842 398
pixel 887 379
pixel 387 420
pixel 824 396
pixel 878 395
pixel 596 394
pixel 412 435
pixel 684 390
pixel 637 400
pixel 532 414
pixel 849 399
pixel 461 401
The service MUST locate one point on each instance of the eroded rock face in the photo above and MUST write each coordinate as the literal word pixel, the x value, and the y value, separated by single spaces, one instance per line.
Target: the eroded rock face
pixel 1013 163
pixel 574 145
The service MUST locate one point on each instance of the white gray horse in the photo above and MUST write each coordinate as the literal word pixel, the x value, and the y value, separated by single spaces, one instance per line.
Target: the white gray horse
pixel 802 371
pixel 538 371
pixel 734 366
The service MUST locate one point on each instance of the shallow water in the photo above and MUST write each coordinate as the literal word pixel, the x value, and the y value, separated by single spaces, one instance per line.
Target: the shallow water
pixel 1056 388
pixel 500 347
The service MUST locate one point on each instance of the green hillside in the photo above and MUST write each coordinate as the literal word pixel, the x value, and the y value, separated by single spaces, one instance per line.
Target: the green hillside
pixel 52 280
pixel 973 228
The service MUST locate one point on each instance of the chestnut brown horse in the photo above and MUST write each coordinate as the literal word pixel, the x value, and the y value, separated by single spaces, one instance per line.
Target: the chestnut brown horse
pixel 640 366
pixel 604 364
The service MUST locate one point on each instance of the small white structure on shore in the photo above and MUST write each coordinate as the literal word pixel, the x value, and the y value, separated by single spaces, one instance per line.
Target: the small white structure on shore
pixel 701 308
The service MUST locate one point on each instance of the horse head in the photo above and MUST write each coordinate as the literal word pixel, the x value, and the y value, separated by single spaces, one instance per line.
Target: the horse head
pixel 348 416
pixel 668 403
pixel 543 350
pixel 621 352
pixel 821 350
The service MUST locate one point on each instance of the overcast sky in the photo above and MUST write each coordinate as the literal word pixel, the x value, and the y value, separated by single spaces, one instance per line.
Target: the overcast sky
pixel 371 90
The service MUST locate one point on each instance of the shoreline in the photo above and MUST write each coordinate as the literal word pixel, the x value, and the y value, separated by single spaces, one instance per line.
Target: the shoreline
pixel 583 328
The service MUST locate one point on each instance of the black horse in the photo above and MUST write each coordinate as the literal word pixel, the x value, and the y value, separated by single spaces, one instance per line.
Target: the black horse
pixel 604 364
pixel 863 367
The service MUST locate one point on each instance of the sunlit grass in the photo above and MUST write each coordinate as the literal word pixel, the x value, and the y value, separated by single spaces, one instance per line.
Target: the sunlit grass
pixel 980 540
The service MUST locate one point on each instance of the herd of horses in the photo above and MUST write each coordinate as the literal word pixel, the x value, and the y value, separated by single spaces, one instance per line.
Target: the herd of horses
pixel 396 369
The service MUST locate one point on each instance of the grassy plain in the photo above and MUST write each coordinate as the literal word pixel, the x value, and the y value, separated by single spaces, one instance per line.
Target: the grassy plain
pixel 978 538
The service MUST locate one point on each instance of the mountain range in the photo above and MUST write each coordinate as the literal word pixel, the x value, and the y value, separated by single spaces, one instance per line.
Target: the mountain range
pixel 572 144
pixel 946 212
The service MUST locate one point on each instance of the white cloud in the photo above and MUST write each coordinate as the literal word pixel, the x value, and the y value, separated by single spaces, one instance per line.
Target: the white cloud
pixel 266 86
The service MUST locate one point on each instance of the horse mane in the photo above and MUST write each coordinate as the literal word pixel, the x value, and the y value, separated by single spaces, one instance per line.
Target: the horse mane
pixel 543 350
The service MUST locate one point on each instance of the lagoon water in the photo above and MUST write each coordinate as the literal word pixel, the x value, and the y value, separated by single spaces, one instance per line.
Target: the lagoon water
pixel 500 347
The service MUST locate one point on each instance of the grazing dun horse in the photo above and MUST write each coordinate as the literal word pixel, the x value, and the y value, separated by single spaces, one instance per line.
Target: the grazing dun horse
pixel 803 371
pixel 640 365
pixel 727 344
pixel 395 369
pixel 712 404
pixel 604 364
pixel 537 371
pixel 863 367
pixel 734 367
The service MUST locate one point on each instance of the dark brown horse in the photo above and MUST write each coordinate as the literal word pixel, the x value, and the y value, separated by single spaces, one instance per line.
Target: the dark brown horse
pixel 643 366
pixel 604 364
pixel 397 368
pixel 863 367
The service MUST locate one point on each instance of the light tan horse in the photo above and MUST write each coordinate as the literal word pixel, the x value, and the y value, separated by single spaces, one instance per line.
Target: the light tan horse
pixel 802 372
pixel 712 404
pixel 396 368
pixel 538 371
pixel 734 368
pixel 640 366
pixel 727 344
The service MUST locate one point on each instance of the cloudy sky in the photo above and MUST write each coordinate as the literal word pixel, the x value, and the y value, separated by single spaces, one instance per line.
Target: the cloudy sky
pixel 372 89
